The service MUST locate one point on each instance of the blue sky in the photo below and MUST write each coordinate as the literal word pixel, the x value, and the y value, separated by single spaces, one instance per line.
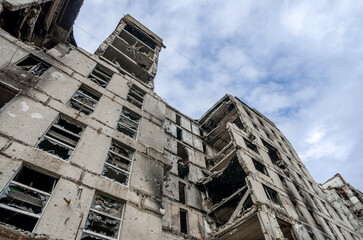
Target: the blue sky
pixel 298 62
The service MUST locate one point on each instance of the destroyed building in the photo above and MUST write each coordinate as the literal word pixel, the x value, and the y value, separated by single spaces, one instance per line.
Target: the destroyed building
pixel 89 151
pixel 346 199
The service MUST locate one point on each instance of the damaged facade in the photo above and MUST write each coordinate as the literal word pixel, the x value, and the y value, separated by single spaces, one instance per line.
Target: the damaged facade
pixel 346 199
pixel 89 151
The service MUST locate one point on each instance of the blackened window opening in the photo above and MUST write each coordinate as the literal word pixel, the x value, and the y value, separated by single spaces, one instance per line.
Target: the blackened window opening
pixel 177 117
pixel 183 221
pixel 183 162
pixel 33 65
pixel 272 195
pixel 260 167
pixel 141 36
pixel 6 95
pixel 100 76
pixel 251 146
pixel 182 196
pixel 179 133
pixel 61 139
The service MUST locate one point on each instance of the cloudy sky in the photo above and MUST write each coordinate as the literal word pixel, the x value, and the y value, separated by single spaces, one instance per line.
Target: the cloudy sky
pixel 298 62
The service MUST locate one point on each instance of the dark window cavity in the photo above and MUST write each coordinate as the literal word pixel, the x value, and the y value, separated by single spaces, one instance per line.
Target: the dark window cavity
pixel 272 195
pixel 24 199
pixel 251 146
pixel 104 219
pixel 260 167
pixel 6 95
pixel 183 221
pixel 34 65
pixel 84 100
pixel 118 163
pixel 100 76
pixel 136 96
pixel 182 196
pixel 128 123
pixel 61 139
pixel 179 134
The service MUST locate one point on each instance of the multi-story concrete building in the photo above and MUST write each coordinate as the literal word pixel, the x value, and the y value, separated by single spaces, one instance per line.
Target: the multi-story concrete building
pixel 89 151
pixel 346 199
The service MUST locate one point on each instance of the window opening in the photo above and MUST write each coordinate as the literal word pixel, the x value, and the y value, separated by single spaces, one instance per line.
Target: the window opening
pixel 24 199
pixel 259 120
pixel 33 65
pixel 100 77
pixel 268 136
pixel 255 126
pixel 183 162
pixel 118 163
pixel 136 96
pixel 139 35
pixel 6 95
pixel 128 123
pixel 182 195
pixel 61 139
pixel 179 133
pixel 178 118
pixel 251 146
pixel 239 123
pixel 84 100
pixel 104 219
pixel 248 112
pixel 272 195
pixel 260 167
pixel 272 153
pixel 273 132
pixel 183 221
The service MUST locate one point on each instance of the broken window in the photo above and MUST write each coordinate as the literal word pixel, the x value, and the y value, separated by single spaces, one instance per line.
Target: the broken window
pixel 239 123
pixel 128 123
pixel 182 195
pixel 141 36
pixel 268 136
pixel 118 163
pixel 272 195
pixel 84 100
pixel 136 96
pixel 260 167
pixel 61 139
pixel 183 162
pixel 272 153
pixel 259 120
pixel 251 146
pixel 178 118
pixel 286 229
pixel 183 221
pixel 100 76
pixel 179 133
pixel 104 219
pixel 248 112
pixel 34 65
pixel 23 200
pixel 255 126
pixel 6 95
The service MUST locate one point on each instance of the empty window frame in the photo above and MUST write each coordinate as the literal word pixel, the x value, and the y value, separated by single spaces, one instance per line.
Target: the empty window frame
pixel 84 100
pixel 273 153
pixel 104 219
pixel 255 126
pixel 136 96
pixel 239 123
pixel 183 221
pixel 128 123
pixel 33 65
pixel 6 95
pixel 272 195
pixel 118 163
pixel 182 195
pixel 248 112
pixel 179 133
pixel 260 167
pixel 100 76
pixel 274 133
pixel 268 135
pixel 25 197
pixel 61 138
pixel 250 145
pixel 261 122
pixel 177 119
